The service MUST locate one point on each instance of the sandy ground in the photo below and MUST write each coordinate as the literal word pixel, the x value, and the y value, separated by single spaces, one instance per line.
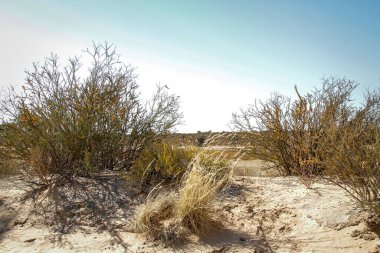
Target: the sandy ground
pixel 262 214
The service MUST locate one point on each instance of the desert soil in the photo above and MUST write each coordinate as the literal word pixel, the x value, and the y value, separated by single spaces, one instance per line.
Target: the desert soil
pixel 262 214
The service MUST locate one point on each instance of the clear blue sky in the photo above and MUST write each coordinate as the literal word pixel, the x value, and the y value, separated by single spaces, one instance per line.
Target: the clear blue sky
pixel 217 55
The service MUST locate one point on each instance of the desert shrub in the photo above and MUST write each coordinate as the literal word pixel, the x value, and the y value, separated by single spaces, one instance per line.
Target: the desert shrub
pixel 191 209
pixel 162 161
pixel 351 153
pixel 322 132
pixel 66 121
pixel 288 133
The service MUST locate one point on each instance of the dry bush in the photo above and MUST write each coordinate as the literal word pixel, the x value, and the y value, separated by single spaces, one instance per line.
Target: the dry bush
pixel 165 163
pixel 64 123
pixel 288 133
pixel 321 133
pixel 173 216
pixel 351 153
pixel 162 162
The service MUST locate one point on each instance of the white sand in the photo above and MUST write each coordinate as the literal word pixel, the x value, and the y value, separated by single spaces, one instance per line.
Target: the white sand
pixel 263 214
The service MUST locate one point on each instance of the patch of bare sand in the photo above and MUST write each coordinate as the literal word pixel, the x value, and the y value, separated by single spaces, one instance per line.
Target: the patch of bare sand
pixel 262 214
pixel 293 218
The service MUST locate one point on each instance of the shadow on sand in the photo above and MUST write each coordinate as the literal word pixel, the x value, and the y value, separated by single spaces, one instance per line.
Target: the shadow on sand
pixel 226 239
pixel 99 204
pixel 5 219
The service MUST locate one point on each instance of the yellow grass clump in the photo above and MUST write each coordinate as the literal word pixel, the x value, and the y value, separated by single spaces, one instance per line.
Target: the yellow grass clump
pixel 195 207
pixel 190 209
pixel 155 209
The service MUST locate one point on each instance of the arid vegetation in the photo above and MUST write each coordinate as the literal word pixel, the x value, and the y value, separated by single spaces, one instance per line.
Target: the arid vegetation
pixel 321 133
pixel 162 162
pixel 191 209
pixel 95 152
pixel 63 125
pixel 351 153
pixel 66 132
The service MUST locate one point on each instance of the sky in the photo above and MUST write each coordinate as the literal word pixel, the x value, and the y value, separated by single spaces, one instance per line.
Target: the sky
pixel 218 56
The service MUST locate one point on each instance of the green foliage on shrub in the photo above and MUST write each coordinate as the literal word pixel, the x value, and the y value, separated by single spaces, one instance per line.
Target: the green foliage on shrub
pixel 162 161
pixel 65 123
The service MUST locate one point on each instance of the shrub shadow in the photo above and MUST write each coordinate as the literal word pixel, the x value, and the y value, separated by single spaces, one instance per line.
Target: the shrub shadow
pixel 224 239
pixel 99 204
pixel 8 209
pixel 5 219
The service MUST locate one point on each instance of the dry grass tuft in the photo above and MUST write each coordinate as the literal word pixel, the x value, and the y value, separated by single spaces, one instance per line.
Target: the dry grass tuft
pixel 173 216
pixel 156 208
pixel 174 231
pixel 196 203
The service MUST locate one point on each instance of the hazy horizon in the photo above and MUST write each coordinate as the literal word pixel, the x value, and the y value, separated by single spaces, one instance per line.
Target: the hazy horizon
pixel 217 56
